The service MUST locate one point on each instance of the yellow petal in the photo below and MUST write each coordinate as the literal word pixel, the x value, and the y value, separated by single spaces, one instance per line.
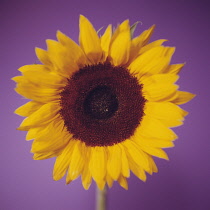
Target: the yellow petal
pixel 61 58
pixel 36 67
pixel 160 87
pixel 160 92
pixel 101 184
pixel 154 67
pixel 160 78
pixel 145 36
pixel 37 93
pixel 183 97
pixel 75 52
pixel 46 155
pixel 124 26
pixel 152 164
pixel 18 79
pixel 137 170
pixel 46 79
pixel 138 156
pixel 36 132
pixel 86 175
pixel 153 128
pixel 54 138
pixel 63 160
pixel 152 45
pixel 77 162
pixel 152 142
pixel 105 41
pixel 42 116
pixel 89 40
pixel 97 163
pixel 31 134
pixel 28 108
pixel 114 161
pixel 153 61
pixel 155 152
pixel 174 68
pixel 120 47
pixel 124 162
pixel 138 42
pixel 169 114
pixel 169 51
pixel 109 180
pixel 123 182
pixel 43 56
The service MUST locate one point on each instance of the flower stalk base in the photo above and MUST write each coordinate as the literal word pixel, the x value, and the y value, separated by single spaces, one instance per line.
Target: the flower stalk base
pixel 101 199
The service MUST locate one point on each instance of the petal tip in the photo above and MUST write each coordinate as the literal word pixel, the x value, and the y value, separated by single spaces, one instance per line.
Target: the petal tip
pixel 58 32
pixel 82 18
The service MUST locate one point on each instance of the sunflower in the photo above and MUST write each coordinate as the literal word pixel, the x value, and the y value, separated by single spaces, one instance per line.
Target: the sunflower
pixel 104 107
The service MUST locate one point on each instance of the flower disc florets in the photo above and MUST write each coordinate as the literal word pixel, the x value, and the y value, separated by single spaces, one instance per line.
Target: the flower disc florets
pixel 102 105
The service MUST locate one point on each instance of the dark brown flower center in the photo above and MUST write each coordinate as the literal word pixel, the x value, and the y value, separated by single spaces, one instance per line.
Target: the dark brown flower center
pixel 102 105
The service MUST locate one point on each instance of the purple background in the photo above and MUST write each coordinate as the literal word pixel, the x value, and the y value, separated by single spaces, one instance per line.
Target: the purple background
pixel 183 182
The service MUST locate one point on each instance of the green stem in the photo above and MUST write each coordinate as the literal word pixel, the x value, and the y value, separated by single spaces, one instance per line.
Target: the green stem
pixel 101 197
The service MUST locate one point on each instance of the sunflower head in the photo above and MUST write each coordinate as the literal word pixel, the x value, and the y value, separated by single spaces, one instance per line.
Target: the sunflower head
pixel 104 107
